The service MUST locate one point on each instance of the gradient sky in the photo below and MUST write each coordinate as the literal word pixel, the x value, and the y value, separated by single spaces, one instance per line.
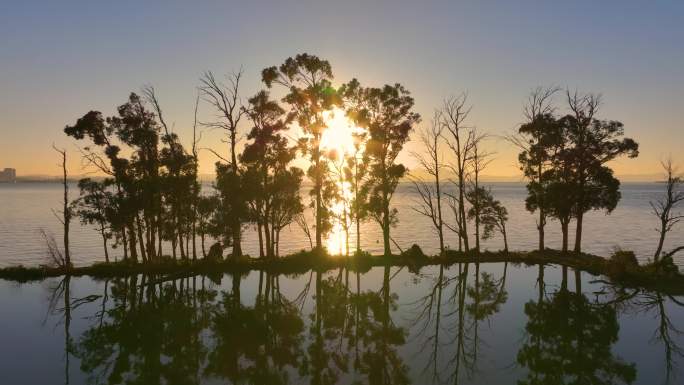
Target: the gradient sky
pixel 60 59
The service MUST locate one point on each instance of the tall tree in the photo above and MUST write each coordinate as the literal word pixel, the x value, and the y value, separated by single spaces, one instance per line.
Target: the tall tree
pixel 66 209
pixel 273 185
pixel 225 99
pixel 533 140
pixel 355 174
pixel 454 112
pixel 95 206
pixel 665 208
pixel 388 116
pixel 593 144
pixel 431 161
pixel 310 93
pixel 475 195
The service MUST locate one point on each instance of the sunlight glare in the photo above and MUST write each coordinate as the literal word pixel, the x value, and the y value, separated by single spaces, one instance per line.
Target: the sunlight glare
pixel 339 137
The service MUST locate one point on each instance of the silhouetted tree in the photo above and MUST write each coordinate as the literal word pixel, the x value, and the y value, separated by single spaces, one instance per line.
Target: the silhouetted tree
pixel 493 216
pixel 533 140
pixel 430 204
pixel 665 208
pixel 387 115
pixel 355 174
pixel 594 143
pixel 225 99
pixel 273 185
pixel 66 208
pixel 308 80
pixel 478 161
pixel 95 206
pixel 453 114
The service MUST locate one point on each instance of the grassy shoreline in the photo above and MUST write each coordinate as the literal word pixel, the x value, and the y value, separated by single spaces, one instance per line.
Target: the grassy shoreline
pixel 414 259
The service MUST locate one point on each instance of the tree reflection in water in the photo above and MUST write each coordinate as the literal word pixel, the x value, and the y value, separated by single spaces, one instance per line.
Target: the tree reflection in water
pixel 336 328
pixel 569 341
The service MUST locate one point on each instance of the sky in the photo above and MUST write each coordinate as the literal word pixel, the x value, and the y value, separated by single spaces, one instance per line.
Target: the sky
pixel 58 60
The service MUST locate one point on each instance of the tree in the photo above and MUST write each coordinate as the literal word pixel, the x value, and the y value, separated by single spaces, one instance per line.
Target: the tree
pixel 430 204
pixel 206 207
pixel 493 215
pixel 474 195
pixel 94 126
pixel 453 115
pixel 555 191
pixel 226 101
pixel 308 80
pixel 665 208
pixel 386 113
pixel 343 197
pixel 533 140
pixel 355 174
pixel 95 206
pixel 66 210
pixel 593 144
pixel 273 185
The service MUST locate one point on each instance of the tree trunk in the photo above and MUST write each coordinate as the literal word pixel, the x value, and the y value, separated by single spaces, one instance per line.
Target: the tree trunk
pixel 440 226
pixel 141 239
pixel 461 209
pixel 318 187
pixel 104 241
pixel 204 252
pixel 505 237
pixel 261 239
pixel 542 214
pixel 237 235
pixel 194 240
pixel 661 240
pixel 131 242
pixel 386 231
pixel 564 230
pixel 578 233
pixel 540 226
pixel 67 212
pixel 267 235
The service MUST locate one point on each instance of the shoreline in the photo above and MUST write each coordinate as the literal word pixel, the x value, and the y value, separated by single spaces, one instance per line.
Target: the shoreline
pixel 641 276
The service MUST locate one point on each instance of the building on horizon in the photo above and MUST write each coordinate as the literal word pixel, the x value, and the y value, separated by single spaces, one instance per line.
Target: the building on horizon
pixel 8 175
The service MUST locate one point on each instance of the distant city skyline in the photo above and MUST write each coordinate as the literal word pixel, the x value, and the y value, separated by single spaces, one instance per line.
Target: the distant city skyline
pixel 62 60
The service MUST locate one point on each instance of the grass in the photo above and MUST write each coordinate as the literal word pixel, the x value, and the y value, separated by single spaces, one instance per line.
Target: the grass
pixel 620 268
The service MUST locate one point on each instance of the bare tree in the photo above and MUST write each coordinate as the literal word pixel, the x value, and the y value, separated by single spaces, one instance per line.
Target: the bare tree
pixel 66 211
pixel 226 101
pixel 455 111
pixel 430 204
pixel 665 207
pixel 302 223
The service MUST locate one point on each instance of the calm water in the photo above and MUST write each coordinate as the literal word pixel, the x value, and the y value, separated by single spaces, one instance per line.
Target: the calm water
pixel 25 208
pixel 465 324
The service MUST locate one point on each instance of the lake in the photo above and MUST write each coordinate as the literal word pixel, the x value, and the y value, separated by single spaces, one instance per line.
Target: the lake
pixel 471 323
pixel 489 323
pixel 25 208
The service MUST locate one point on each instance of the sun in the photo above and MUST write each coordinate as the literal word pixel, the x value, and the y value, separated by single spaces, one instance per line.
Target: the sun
pixel 339 137
pixel 339 134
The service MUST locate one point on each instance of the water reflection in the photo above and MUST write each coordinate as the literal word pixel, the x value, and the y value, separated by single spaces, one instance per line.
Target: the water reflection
pixel 348 327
